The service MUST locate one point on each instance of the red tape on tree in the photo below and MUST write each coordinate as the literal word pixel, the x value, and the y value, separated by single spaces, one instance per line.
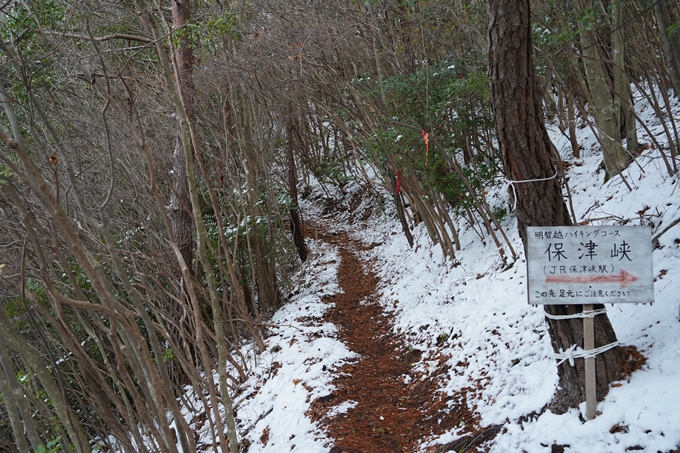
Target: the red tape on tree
pixel 426 138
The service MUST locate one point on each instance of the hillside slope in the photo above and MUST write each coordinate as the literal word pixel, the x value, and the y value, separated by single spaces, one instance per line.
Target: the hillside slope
pixel 469 330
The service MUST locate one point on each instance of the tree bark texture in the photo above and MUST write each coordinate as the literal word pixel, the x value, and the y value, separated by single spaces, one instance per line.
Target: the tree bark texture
pixel 622 94
pixel 671 44
pixel 604 108
pixel 396 184
pixel 180 201
pixel 295 221
pixel 181 219
pixel 16 406
pixel 522 136
pixel 526 155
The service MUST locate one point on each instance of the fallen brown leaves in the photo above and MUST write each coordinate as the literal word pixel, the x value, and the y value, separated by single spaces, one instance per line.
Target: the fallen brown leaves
pixel 395 409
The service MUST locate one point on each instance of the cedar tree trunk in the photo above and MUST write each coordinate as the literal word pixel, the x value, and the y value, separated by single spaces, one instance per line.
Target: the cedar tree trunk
pixel 670 44
pixel 526 154
pixel 181 219
pixel 180 202
pixel 604 108
pixel 295 221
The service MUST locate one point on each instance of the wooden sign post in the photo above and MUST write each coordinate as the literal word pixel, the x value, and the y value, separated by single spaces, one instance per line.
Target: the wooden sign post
pixel 589 265
pixel 589 345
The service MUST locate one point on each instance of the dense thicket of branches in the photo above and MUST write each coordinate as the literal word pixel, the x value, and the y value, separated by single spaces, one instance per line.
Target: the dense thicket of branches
pixel 152 152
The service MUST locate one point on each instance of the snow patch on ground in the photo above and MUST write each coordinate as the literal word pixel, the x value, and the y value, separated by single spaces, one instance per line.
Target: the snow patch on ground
pixel 297 365
pixel 475 311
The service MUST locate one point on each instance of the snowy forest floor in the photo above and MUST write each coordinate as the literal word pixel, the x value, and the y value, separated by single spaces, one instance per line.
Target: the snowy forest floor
pixel 340 377
pixel 387 348
pixel 379 402
pixel 385 414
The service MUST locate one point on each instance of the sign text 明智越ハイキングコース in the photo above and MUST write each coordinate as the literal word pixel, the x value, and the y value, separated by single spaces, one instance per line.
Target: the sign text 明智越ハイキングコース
pixel 589 265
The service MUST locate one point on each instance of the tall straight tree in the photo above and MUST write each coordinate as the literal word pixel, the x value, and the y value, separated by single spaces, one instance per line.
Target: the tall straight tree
pixel 528 155
pixel 607 105
pixel 670 42
pixel 180 202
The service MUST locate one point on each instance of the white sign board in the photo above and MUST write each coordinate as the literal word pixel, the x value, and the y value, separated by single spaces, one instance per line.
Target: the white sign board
pixel 589 265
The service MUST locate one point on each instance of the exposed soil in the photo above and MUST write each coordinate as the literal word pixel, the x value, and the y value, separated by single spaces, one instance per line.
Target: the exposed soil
pixel 395 409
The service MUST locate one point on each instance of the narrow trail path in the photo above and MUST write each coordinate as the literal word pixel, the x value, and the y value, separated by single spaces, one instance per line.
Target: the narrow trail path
pixel 392 408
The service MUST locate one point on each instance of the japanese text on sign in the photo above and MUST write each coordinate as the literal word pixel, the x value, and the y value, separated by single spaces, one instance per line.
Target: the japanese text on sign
pixel 589 265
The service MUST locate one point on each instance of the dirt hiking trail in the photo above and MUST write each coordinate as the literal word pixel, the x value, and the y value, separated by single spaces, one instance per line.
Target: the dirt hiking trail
pixel 392 408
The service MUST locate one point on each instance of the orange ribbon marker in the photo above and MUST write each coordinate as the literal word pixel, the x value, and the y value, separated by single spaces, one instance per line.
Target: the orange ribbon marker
pixel 426 137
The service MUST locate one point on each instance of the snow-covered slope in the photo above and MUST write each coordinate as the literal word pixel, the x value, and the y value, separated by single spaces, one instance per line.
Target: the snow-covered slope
pixel 479 316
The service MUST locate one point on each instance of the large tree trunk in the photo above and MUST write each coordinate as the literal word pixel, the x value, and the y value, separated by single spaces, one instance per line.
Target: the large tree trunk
pixel 604 108
pixel 181 219
pixel 526 154
pixel 671 46
pixel 183 112
pixel 622 94
pixel 180 202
